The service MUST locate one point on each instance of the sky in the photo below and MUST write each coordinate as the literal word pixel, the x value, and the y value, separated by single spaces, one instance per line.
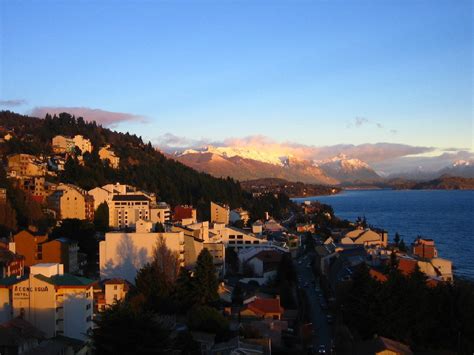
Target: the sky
pixel 316 73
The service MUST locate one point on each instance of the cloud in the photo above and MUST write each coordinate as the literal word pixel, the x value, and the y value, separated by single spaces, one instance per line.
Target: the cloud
pixel 103 117
pixel 360 121
pixel 370 153
pixel 12 102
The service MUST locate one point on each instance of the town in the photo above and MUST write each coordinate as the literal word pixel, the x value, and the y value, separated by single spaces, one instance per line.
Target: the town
pixel 230 283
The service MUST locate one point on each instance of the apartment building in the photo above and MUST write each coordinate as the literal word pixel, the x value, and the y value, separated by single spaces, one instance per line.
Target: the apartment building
pixel 220 213
pixel 70 201
pixel 126 210
pixel 39 249
pixel 55 302
pixel 23 165
pixel 62 144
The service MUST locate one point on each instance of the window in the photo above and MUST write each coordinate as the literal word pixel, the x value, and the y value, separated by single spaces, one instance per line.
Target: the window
pixel 115 287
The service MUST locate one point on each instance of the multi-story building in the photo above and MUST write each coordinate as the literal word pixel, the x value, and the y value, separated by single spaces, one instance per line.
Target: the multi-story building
pixel 23 165
pixel 220 213
pixel 62 144
pixel 11 264
pixel 39 249
pixel 160 213
pixel 70 201
pixel 239 214
pixel 109 292
pixel 125 210
pixel 105 153
pixel 82 143
pixel 53 301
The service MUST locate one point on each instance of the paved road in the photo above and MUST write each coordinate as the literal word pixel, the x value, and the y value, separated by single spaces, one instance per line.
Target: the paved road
pixel 321 328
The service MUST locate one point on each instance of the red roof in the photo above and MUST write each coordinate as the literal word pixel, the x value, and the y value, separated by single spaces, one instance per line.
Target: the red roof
pixel 379 276
pixel 406 266
pixel 263 306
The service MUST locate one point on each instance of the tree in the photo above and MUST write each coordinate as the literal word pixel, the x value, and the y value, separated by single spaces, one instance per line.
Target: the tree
pixel 397 239
pixel 232 260
pixel 166 261
pixel 208 319
pixel 121 330
pixel 184 294
pixel 402 246
pixel 205 279
pixel 101 218
pixel 308 242
pixel 159 228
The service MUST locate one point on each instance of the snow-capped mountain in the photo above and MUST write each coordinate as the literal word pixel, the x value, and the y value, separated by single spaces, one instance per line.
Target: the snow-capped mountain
pixel 244 163
pixel 461 168
pixel 347 169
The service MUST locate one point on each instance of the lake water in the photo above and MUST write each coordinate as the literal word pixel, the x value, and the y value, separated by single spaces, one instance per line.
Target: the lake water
pixel 443 215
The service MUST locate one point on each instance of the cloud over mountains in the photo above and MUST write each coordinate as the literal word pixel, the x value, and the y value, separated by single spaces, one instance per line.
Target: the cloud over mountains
pixel 371 153
pixel 103 117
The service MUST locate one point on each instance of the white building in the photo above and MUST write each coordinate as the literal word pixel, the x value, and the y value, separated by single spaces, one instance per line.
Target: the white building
pixel 160 213
pixel 105 153
pixel 54 302
pixel 125 210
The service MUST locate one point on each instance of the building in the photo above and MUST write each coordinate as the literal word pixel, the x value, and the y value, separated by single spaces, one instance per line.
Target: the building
pixel 70 201
pixel 11 264
pixel 110 291
pixel 239 214
pixel 382 346
pixel 62 144
pixel 39 249
pixel 366 237
pixel 125 210
pixel 100 195
pixel 18 336
pixel 424 248
pixel 82 143
pixel 121 255
pixel 51 300
pixel 23 165
pixel 220 213
pixel 107 154
pixel 181 212
pixel 160 213
pixel 263 308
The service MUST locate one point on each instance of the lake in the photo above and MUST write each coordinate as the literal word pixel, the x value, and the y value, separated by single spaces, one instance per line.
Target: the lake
pixel 447 216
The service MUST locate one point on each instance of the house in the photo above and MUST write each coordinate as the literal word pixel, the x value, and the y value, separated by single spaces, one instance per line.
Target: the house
pixel 11 264
pixel 236 346
pixel 305 227
pixel 382 346
pixel 70 201
pixel 257 227
pixel 39 249
pixel 273 226
pixel 110 291
pixel 17 336
pixel 51 300
pixel 107 154
pixel 25 165
pixel 82 143
pixel 239 214
pixel 62 144
pixel 366 237
pixel 424 248
pixel 220 213
pixel 264 266
pixel 263 308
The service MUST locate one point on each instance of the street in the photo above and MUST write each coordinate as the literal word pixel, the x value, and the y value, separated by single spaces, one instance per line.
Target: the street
pixel 321 328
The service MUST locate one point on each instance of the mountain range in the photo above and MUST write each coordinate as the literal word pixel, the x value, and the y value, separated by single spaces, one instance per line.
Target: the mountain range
pixel 245 164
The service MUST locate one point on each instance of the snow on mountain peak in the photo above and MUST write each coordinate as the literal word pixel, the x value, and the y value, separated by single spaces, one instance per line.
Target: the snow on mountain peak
pixel 463 163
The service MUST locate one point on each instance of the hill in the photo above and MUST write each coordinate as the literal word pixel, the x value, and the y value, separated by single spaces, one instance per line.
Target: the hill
pixel 292 189
pixel 141 164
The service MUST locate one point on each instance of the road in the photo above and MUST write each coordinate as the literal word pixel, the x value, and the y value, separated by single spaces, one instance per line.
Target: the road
pixel 321 328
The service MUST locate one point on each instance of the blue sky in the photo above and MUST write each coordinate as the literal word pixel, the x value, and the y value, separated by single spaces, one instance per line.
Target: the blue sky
pixel 313 72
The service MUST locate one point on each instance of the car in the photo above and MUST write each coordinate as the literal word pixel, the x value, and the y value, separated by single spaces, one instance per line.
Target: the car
pixel 322 349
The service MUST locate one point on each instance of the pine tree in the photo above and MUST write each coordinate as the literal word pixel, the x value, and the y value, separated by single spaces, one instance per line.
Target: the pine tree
pixel 184 294
pixel 101 218
pixel 205 279
pixel 397 239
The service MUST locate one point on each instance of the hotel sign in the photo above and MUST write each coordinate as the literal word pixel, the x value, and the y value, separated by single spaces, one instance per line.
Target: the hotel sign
pixel 21 292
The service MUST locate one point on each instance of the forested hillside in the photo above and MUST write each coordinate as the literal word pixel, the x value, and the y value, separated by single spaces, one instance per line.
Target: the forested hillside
pixel 141 164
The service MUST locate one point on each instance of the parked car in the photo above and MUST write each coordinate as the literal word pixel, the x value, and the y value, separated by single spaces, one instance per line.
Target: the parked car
pixel 322 349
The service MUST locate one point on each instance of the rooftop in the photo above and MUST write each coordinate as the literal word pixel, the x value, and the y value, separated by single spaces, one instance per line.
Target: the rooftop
pixel 136 197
